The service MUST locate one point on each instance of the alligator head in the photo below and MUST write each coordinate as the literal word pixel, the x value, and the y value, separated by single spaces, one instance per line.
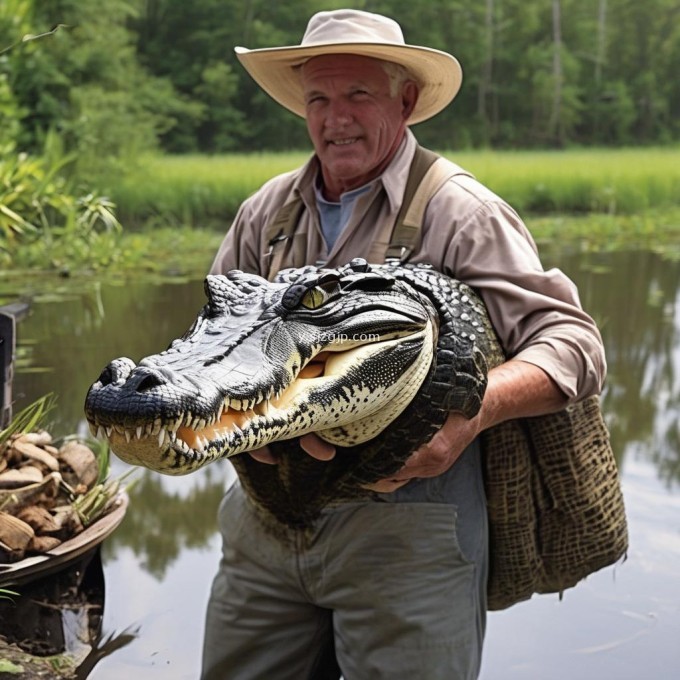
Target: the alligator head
pixel 369 357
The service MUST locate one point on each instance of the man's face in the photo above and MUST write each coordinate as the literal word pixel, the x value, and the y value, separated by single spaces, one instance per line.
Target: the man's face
pixel 354 123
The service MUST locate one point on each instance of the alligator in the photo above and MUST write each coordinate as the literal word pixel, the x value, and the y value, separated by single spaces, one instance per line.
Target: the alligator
pixel 371 358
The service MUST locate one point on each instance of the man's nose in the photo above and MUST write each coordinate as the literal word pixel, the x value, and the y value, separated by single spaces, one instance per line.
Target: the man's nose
pixel 339 114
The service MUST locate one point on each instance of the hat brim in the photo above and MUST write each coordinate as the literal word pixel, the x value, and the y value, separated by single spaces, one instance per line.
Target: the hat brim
pixel 438 74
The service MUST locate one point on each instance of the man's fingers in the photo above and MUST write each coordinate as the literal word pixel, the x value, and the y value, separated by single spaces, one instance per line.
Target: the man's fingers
pixel 317 447
pixel 264 455
pixel 310 443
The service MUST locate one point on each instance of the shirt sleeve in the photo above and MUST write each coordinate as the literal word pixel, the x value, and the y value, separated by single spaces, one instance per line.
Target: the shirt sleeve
pixel 537 314
pixel 239 248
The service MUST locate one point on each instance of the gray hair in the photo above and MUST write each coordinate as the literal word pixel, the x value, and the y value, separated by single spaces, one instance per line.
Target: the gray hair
pixel 397 75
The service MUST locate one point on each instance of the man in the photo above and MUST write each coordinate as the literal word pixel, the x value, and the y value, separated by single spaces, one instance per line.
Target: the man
pixel 393 587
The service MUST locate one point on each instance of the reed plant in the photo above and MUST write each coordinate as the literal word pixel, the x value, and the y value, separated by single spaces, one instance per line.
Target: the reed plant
pixel 205 191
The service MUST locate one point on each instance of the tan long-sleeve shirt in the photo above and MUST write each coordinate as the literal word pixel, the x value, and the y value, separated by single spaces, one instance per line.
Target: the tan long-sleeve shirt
pixel 469 233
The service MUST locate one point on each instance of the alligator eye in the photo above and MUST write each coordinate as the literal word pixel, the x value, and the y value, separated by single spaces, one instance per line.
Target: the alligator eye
pixel 314 298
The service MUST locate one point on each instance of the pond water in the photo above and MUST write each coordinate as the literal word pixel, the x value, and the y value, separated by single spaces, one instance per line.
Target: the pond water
pixel 623 622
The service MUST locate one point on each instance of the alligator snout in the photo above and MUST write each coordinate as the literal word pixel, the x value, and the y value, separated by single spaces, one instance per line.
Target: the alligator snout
pixel 126 393
pixel 137 378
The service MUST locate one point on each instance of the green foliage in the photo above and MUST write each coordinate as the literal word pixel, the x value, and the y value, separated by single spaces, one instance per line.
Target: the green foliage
pixel 29 418
pixel 123 76
pixel 6 594
pixel 86 82
pixel 43 223
pixel 89 90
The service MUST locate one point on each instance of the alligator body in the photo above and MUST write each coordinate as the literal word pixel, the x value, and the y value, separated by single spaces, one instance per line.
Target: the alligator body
pixel 371 358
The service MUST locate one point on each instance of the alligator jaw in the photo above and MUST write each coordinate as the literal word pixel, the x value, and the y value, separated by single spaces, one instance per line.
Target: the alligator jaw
pixel 319 399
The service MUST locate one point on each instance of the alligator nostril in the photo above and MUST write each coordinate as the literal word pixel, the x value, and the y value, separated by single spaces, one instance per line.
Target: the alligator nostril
pixel 105 377
pixel 148 382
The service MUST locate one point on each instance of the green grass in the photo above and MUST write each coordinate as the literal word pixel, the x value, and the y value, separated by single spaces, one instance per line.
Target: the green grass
pixel 192 190
pixel 612 181
pixel 205 191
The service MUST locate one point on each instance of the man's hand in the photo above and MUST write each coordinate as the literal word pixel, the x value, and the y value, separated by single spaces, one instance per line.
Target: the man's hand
pixel 430 460
pixel 515 389
pixel 313 445
pixel 434 457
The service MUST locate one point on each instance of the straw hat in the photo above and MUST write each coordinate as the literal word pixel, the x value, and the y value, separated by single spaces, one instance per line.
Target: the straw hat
pixel 348 31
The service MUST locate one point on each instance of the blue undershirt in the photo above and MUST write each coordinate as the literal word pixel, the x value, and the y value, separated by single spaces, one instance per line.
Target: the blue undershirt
pixel 334 216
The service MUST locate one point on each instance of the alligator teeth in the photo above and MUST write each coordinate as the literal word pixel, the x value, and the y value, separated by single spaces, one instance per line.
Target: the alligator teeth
pixel 101 433
pixel 128 436
pixel 93 429
pixel 156 426
pixel 161 438
pixel 138 431
pixel 175 426
pixel 109 431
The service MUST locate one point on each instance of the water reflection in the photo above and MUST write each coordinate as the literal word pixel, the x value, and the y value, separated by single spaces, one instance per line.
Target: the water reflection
pixel 635 298
pixel 72 333
pixel 167 521
pixel 160 562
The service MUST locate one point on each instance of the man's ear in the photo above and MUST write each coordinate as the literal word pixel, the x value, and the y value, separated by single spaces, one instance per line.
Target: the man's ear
pixel 409 98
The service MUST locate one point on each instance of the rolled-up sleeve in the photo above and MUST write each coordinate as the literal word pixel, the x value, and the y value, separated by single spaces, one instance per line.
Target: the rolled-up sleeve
pixel 537 313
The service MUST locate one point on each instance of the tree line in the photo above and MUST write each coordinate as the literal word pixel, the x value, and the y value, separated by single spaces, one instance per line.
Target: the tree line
pixel 111 79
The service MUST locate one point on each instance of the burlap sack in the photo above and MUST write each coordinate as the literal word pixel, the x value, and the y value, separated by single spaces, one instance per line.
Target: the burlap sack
pixel 556 511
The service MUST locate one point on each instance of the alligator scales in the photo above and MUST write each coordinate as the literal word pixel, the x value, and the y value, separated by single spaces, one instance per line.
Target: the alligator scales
pixel 370 358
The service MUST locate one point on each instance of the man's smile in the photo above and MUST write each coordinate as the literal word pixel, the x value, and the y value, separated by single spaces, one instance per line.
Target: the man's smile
pixel 343 142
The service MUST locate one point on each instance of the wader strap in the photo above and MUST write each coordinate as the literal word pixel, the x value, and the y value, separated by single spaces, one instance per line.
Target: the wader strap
pixel 428 173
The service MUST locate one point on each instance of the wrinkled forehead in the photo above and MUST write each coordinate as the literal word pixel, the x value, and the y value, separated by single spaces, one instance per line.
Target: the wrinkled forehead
pixel 346 67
